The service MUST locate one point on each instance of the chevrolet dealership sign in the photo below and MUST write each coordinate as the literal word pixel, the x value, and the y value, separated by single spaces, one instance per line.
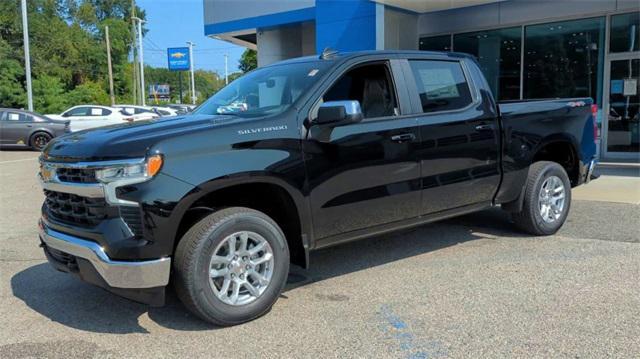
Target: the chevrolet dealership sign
pixel 178 58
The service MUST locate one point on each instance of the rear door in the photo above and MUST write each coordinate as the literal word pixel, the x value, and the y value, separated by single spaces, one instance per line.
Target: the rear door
pixel 459 132
pixel 98 117
pixel 16 127
pixel 79 117
pixel 364 174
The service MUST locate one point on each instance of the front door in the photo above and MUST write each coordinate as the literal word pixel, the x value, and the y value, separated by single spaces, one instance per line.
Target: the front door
pixel 622 100
pixel 364 174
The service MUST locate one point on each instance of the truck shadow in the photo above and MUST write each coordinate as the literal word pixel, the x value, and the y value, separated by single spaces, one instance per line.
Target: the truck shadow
pixel 78 305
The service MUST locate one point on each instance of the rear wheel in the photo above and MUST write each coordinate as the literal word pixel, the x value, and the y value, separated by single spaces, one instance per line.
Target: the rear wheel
pixel 39 140
pixel 547 199
pixel 231 266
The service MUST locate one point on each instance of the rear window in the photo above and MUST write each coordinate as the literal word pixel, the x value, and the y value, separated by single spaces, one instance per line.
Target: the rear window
pixel 441 85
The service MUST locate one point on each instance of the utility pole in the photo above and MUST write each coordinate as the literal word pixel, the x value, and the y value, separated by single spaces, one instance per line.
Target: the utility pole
pixel 226 71
pixel 134 87
pixel 193 82
pixel 27 57
pixel 141 57
pixel 113 98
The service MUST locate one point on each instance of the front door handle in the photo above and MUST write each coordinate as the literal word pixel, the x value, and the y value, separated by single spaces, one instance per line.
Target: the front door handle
pixel 405 137
pixel 484 127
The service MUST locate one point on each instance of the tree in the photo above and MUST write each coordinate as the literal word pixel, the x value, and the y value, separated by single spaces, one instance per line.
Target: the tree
pixel 248 61
pixel 48 95
pixel 88 93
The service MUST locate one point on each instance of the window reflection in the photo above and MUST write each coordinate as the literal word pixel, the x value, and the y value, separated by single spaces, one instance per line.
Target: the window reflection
pixel 498 53
pixel 625 32
pixel 564 59
pixel 435 43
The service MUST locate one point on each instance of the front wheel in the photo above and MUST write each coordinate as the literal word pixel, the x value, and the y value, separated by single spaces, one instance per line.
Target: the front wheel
pixel 231 266
pixel 547 199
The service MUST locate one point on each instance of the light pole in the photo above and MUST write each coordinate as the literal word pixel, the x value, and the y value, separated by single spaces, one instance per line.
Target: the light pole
pixel 193 82
pixel 141 57
pixel 226 71
pixel 27 57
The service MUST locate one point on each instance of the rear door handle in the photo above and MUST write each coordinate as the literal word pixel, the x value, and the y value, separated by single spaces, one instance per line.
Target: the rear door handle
pixel 405 137
pixel 484 127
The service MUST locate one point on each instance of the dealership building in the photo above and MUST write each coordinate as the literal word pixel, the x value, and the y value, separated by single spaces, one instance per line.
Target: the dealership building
pixel 527 49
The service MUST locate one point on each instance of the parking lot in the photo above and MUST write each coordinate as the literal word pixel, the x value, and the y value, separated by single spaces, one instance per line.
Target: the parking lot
pixel 467 287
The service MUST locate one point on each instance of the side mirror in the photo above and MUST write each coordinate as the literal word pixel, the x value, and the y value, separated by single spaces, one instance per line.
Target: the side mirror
pixel 339 113
pixel 66 114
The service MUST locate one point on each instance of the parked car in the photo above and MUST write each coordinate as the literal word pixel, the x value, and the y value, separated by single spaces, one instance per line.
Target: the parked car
pixel 138 112
pixel 19 128
pixel 322 151
pixel 91 116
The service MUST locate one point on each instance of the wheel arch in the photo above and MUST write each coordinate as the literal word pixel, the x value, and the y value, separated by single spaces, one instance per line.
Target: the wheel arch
pixel 552 148
pixel 563 149
pixel 266 193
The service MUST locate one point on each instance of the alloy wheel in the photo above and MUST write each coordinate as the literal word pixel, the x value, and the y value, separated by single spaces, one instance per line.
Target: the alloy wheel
pixel 241 268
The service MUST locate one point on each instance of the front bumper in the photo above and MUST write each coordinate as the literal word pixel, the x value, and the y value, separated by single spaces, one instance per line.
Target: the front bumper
pixel 91 261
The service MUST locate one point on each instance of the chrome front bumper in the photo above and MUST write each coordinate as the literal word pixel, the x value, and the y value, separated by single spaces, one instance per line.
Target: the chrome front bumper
pixel 117 274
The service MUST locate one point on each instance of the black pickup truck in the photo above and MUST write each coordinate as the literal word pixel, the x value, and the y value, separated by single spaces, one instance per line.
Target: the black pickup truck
pixel 297 156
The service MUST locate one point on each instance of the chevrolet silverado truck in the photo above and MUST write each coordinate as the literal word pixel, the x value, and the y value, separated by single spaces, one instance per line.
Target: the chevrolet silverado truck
pixel 296 156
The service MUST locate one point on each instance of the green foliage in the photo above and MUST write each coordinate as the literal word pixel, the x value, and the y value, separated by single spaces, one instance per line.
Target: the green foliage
pixel 248 61
pixel 48 94
pixel 12 93
pixel 88 92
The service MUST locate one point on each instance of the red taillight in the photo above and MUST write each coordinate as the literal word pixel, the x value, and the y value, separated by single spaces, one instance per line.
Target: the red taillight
pixel 594 117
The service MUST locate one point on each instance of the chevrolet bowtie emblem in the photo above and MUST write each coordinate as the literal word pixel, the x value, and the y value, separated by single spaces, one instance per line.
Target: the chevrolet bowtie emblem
pixel 178 55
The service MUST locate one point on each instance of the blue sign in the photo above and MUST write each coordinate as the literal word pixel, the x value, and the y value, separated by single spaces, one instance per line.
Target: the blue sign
pixel 178 58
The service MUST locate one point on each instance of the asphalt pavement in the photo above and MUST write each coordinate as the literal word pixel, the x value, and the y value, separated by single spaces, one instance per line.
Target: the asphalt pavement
pixel 467 287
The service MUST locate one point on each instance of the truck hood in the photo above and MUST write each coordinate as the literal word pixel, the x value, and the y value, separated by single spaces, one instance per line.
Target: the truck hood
pixel 129 140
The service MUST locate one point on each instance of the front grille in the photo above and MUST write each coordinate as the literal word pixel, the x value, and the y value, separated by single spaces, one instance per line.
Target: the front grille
pixel 131 216
pixel 74 209
pixel 76 175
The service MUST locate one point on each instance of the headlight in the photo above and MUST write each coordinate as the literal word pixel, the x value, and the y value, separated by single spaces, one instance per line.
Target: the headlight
pixel 142 171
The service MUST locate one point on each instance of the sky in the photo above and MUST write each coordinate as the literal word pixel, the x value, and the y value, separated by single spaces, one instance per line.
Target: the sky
pixel 171 23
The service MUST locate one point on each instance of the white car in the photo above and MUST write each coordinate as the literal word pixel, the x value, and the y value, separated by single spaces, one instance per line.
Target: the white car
pixel 91 116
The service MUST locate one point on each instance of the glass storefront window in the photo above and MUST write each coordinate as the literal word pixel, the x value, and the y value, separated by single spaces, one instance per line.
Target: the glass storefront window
pixel 435 43
pixel 498 53
pixel 564 59
pixel 624 103
pixel 625 33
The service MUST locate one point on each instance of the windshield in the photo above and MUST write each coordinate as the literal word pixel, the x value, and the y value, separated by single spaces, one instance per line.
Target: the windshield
pixel 265 91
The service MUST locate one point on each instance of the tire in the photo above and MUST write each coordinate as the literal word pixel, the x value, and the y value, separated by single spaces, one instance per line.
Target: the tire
pixel 39 140
pixel 203 293
pixel 531 219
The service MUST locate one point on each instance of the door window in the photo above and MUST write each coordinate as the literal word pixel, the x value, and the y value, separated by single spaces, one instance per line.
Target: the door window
pixel 371 86
pixel 77 112
pixel 15 117
pixel 441 85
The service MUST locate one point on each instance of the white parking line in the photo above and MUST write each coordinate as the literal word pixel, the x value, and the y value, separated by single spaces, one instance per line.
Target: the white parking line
pixel 22 160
